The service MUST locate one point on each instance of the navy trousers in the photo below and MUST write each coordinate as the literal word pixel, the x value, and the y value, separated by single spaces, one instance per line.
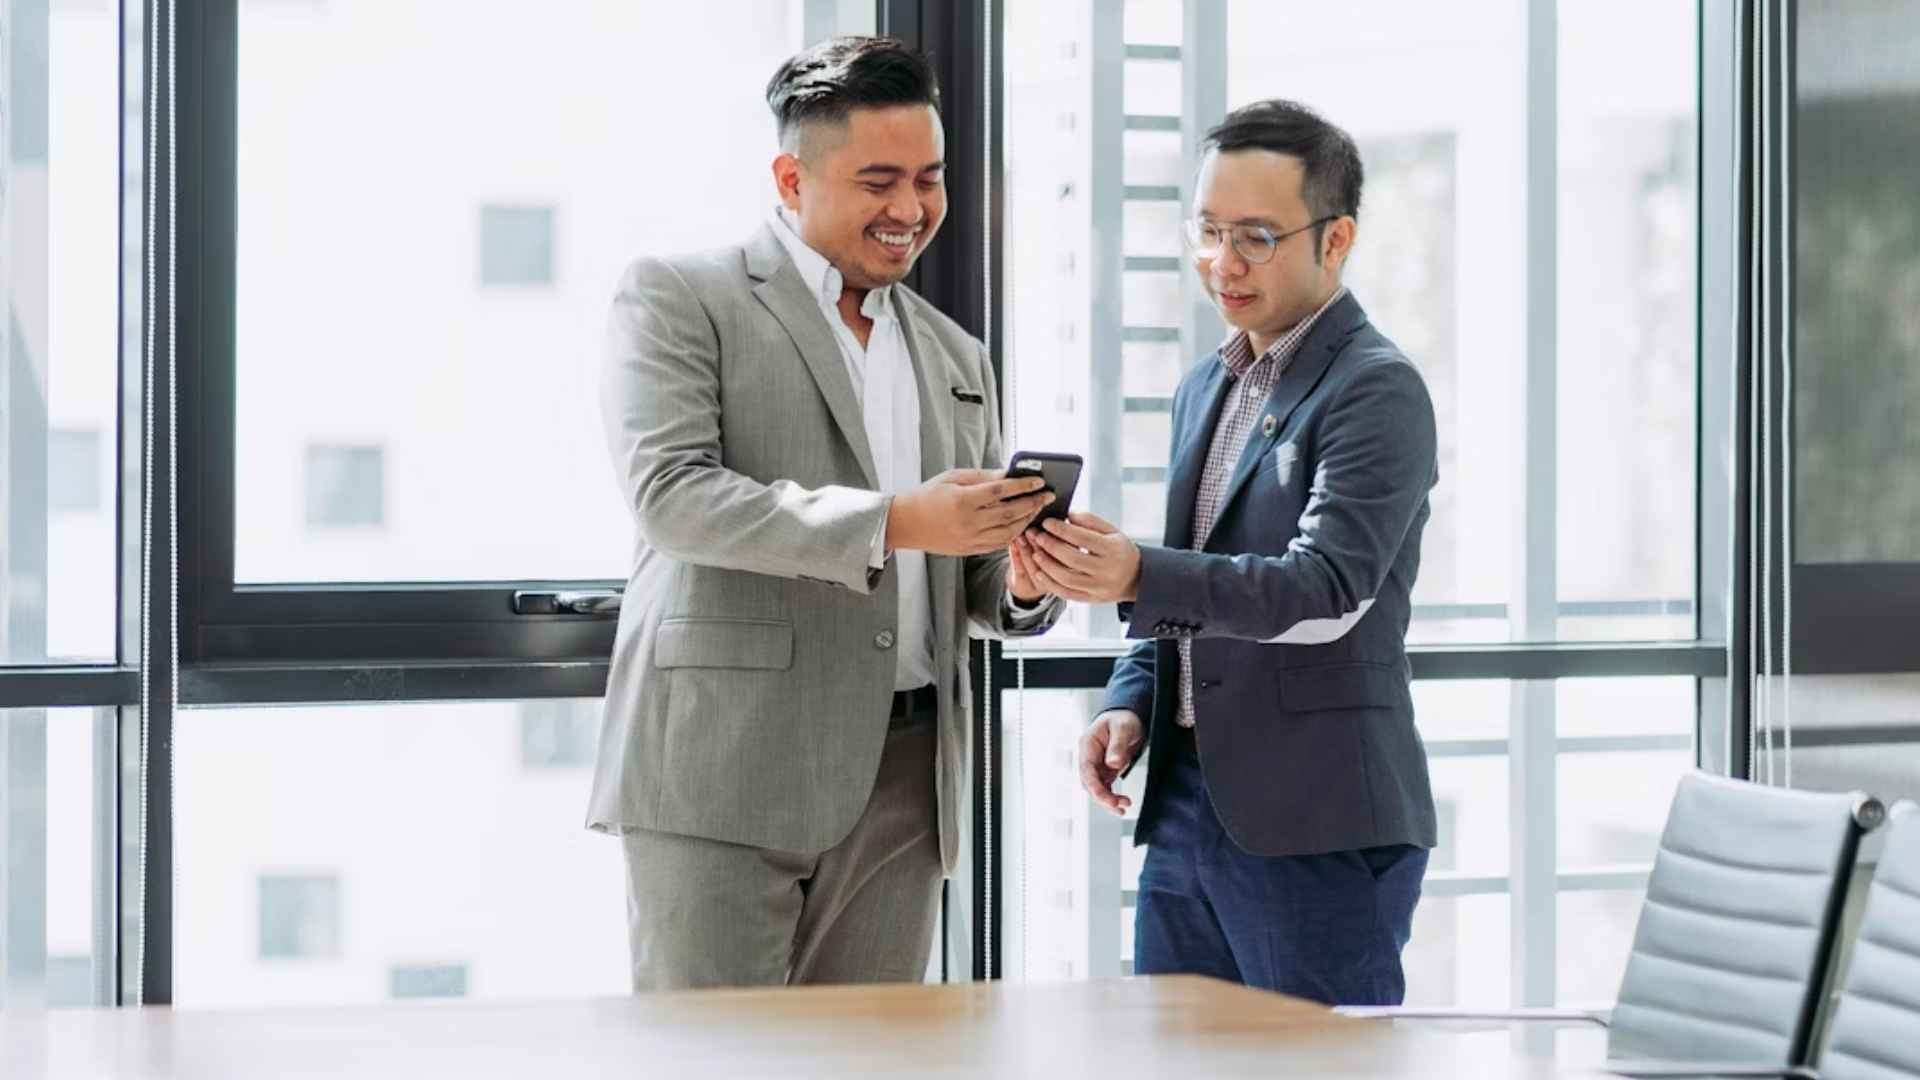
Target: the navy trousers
pixel 1328 927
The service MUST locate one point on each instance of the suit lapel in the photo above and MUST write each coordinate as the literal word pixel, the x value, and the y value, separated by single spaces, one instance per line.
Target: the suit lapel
pixel 930 370
pixel 1190 457
pixel 787 297
pixel 930 375
pixel 1308 367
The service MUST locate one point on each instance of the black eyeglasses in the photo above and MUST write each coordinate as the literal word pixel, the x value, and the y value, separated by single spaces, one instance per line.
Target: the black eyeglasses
pixel 1255 243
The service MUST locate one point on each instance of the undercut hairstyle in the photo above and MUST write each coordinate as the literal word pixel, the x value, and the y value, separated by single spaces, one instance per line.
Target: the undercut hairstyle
pixel 1328 157
pixel 821 85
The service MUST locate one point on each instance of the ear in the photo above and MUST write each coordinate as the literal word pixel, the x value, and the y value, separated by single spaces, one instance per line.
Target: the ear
pixel 1337 243
pixel 786 180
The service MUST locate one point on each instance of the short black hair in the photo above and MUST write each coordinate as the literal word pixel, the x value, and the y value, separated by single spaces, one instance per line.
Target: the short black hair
pixel 836 76
pixel 1328 156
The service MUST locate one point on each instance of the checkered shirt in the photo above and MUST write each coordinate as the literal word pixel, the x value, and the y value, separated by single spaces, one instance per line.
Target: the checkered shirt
pixel 1253 380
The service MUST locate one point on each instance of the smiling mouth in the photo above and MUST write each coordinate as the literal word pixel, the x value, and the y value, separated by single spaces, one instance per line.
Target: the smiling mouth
pixel 897 241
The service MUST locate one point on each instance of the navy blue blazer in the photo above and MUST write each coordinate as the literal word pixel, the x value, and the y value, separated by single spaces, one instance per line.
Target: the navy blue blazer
pixel 1298 606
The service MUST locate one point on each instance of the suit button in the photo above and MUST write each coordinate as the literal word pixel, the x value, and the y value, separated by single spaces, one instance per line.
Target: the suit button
pixel 883 640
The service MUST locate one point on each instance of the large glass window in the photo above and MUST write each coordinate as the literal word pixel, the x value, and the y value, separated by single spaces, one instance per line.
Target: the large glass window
pixel 56 837
pixel 1551 794
pixel 1073 870
pixel 59 343
pixel 348 853
pixel 1851 458
pixel 427 250
pixel 1856 135
pixel 1103 317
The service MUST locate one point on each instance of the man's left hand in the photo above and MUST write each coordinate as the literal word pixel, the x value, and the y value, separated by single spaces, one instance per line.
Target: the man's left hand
pixel 1084 558
pixel 1020 583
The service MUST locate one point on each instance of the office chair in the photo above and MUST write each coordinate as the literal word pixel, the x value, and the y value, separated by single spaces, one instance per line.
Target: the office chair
pixel 1875 1034
pixel 1736 940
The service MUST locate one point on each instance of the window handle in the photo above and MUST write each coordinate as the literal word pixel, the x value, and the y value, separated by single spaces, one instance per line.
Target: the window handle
pixel 604 603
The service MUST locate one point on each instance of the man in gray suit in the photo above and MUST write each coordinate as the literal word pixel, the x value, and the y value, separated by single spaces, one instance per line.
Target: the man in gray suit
pixel 805 445
pixel 1287 811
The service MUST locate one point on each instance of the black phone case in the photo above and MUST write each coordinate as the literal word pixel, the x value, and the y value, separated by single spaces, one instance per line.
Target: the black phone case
pixel 1062 473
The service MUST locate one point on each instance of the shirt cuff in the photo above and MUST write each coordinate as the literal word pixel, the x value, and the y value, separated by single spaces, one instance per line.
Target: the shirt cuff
pixel 1021 616
pixel 877 552
pixel 1020 610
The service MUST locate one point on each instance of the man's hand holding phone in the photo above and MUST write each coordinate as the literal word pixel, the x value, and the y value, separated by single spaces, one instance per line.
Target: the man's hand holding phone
pixel 1084 558
pixel 965 512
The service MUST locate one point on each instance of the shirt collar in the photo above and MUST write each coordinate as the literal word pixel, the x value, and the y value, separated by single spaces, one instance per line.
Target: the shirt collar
pixel 1237 351
pixel 822 277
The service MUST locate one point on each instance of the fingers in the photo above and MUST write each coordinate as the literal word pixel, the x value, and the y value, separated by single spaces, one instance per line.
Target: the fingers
pixel 1023 559
pixel 1045 581
pixel 1096 785
pixel 1096 780
pixel 1093 521
pixel 1122 734
pixel 1005 532
pixel 1021 509
pixel 1048 556
pixel 1074 534
pixel 996 537
pixel 1021 568
pixel 1002 489
pixel 1064 552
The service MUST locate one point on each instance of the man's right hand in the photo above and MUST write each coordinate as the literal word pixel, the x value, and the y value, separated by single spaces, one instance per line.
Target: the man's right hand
pixel 959 512
pixel 1109 745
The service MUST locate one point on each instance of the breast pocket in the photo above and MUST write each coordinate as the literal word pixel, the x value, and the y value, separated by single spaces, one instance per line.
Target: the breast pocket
pixel 1282 464
pixel 969 427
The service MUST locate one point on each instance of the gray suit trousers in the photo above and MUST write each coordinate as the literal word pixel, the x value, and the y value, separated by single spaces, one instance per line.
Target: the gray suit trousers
pixel 706 913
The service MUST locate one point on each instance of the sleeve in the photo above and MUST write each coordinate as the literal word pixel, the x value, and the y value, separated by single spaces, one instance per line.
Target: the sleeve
pixel 1373 473
pixel 660 401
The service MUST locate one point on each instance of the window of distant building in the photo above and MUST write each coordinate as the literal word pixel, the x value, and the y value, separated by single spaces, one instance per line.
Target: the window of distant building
pixel 427 981
pixel 516 245
pixel 558 734
pixel 299 916
pixel 73 470
pixel 346 486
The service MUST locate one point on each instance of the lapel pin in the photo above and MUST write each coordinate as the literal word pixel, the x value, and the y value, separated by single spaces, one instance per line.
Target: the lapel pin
pixel 1269 425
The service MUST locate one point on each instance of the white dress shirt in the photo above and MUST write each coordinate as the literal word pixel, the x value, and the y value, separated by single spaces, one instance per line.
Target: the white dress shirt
pixel 889 396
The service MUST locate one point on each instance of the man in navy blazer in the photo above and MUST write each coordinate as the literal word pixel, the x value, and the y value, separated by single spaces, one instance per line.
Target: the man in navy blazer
pixel 1287 810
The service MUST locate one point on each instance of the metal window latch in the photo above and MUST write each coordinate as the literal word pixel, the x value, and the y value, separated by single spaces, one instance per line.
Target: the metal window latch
pixel 604 603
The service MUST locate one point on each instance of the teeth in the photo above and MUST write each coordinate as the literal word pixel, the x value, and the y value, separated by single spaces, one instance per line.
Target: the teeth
pixel 896 239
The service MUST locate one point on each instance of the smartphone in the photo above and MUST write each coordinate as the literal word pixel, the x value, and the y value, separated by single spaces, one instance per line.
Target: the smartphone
pixel 1061 472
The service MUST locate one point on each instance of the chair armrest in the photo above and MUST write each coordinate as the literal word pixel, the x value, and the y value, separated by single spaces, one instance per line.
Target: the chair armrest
pixel 1692 1070
pixel 1402 1012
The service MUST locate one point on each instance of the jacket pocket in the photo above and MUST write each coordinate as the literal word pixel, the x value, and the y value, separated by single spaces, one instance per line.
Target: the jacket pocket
pixel 1342 686
pixel 764 644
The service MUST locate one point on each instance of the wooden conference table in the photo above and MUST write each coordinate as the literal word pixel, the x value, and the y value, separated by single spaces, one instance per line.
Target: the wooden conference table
pixel 1167 1027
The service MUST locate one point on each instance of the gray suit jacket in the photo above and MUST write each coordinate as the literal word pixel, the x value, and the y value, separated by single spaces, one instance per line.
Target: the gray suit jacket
pixel 1298 606
pixel 754 663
